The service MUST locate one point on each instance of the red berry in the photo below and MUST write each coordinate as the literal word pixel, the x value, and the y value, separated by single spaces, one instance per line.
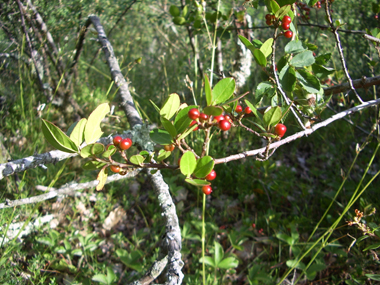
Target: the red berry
pixel 269 22
pixel 192 124
pixel 125 144
pixel 219 118
pixel 194 114
pixel 224 125
pixel 280 130
pixel 211 175
pixel 117 140
pixel 268 17
pixel 115 168
pixel 247 110
pixel 285 26
pixel 203 117
pixel 286 19
pixel 169 147
pixel 238 108
pixel 228 118
pixel 288 34
pixel 207 190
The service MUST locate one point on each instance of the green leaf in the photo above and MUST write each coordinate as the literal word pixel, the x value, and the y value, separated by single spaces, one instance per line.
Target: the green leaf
pixel 259 57
pixel 93 165
pixel 111 277
pixel 284 237
pixel 163 154
pixel 182 120
pixel 322 71
pixel 174 11
pixel 170 106
pixel 294 263
pixel 71 128
pixel 257 43
pixel 92 131
pixel 169 127
pixel 207 260
pixel 302 59
pixel 92 150
pixel 204 166
pixel 228 263
pixel 245 41
pixel 375 277
pixel 294 47
pixel 57 138
pixel 208 91
pixel 372 246
pixel 323 58
pixel 179 20
pixel 188 163
pixel 218 253
pixel 110 151
pixel 160 137
pixel 272 116
pixel 264 88
pixel 137 159
pixel 223 90
pixel 287 78
pixel 213 110
pixel 254 110
pixel 272 6
pixel 309 82
pixel 77 135
pixel 266 48
pixel 102 178
pixel 197 182
pixel 283 11
pixel 101 278
pixel 187 132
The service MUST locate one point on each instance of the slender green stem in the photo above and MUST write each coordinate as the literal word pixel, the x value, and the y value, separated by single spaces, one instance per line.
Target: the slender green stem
pixel 214 44
pixel 203 239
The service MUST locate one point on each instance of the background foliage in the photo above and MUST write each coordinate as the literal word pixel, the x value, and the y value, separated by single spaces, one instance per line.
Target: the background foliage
pixel 261 213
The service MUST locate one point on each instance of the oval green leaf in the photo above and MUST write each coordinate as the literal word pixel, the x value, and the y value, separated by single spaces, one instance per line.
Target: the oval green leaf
pixel 170 106
pixel 110 151
pixel 168 125
pixel 188 163
pixel 259 57
pixel 302 59
pixel 57 138
pixel 272 117
pixel 204 166
pixel 182 120
pixel 213 110
pixel 287 78
pixel 77 135
pixel 163 154
pixel 197 182
pixel 223 90
pixel 92 130
pixel 266 48
pixel 137 159
pixel 160 137
pixel 92 165
pixel 308 81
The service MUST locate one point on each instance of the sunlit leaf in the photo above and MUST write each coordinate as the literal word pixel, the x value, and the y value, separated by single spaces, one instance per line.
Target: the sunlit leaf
pixel 57 138
pixel 92 131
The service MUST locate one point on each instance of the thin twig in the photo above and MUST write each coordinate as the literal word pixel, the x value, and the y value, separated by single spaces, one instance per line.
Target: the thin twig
pixel 67 190
pixel 299 134
pixel 286 99
pixel 334 30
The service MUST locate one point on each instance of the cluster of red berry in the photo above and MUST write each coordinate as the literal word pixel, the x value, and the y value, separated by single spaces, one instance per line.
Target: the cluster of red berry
pixel 197 117
pixel 285 24
pixel 207 189
pixel 123 144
